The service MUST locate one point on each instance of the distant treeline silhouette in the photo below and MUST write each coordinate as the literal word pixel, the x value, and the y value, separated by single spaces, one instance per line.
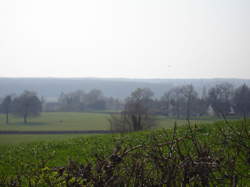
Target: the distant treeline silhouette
pixel 180 102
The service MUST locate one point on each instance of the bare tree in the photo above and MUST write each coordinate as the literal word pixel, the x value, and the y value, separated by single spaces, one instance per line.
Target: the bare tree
pixel 241 100
pixel 164 104
pixel 190 97
pixel 136 114
pixel 220 98
pixel 177 101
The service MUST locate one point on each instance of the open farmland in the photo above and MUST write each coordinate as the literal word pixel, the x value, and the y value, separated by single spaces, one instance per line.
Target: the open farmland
pixel 212 147
pixel 58 121
pixel 10 139
pixel 67 121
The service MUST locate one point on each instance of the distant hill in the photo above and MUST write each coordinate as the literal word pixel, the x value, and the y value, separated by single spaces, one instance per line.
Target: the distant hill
pixel 115 87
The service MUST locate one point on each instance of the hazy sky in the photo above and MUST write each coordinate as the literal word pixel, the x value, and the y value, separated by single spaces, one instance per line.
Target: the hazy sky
pixel 128 38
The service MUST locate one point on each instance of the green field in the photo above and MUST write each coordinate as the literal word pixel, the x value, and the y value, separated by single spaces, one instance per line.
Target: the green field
pixel 65 121
pixel 29 138
pixel 36 160
pixel 58 121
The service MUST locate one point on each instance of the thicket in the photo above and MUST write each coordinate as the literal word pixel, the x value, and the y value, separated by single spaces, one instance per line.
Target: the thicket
pixel 199 155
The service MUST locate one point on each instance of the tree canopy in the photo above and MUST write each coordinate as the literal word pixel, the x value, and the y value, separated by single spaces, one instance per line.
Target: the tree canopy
pixel 6 107
pixel 27 105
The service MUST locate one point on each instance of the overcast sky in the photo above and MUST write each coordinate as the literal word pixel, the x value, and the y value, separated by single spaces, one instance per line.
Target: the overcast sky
pixel 128 38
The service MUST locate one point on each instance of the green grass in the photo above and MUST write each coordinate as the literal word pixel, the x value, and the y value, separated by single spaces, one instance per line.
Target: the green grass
pixel 14 158
pixel 78 147
pixel 29 138
pixel 65 121
pixel 52 122
pixel 26 159
pixel 166 122
pixel 58 121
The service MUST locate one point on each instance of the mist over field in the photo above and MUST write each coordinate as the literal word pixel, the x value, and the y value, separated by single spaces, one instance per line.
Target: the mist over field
pixel 51 88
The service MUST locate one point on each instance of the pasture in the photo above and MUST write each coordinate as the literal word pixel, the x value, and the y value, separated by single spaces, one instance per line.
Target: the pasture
pixel 65 121
pixel 53 121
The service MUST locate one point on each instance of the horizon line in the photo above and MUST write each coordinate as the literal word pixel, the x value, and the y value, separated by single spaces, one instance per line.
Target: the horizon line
pixel 129 78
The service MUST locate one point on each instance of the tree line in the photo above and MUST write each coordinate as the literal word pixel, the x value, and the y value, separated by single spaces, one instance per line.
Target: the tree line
pixel 137 109
pixel 25 105
pixel 181 102
pixel 80 101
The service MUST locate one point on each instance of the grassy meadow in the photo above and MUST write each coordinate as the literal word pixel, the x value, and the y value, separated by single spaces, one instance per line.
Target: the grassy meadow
pixel 62 121
pixel 66 121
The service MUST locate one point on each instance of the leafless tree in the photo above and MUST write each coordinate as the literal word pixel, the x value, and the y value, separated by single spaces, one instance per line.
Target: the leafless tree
pixel 241 100
pixel 220 98
pixel 136 114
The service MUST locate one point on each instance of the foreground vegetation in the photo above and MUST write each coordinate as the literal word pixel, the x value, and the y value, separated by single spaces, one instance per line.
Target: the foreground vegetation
pixel 15 139
pixel 204 155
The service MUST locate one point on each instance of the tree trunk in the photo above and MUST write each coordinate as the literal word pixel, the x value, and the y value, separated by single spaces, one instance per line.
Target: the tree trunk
pixel 7 118
pixel 139 123
pixel 135 123
pixel 178 112
pixel 25 118
pixel 244 116
pixel 188 110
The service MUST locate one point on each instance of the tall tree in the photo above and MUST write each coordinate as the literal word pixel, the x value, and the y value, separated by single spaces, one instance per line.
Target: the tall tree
pixel 136 114
pixel 220 97
pixel 201 106
pixel 27 105
pixel 177 102
pixel 164 104
pixel 241 100
pixel 80 101
pixel 183 101
pixel 191 98
pixel 6 107
pixel 95 100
